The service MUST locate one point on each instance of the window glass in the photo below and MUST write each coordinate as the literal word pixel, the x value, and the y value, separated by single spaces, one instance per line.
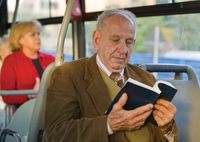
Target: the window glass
pixel 89 28
pixel 168 39
pixel 34 9
pixel 163 39
pixel 92 5
pixel 49 37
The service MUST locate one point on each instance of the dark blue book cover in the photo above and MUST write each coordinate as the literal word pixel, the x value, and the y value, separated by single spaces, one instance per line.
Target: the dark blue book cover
pixel 140 94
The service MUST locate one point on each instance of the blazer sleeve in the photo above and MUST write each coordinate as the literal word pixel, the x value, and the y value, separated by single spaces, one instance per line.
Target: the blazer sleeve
pixel 64 121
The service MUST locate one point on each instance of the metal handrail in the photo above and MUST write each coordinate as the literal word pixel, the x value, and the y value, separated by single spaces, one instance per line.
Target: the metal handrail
pixel 18 92
pixel 176 68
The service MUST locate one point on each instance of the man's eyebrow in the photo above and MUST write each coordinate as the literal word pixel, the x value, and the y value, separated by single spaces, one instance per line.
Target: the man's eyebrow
pixel 115 36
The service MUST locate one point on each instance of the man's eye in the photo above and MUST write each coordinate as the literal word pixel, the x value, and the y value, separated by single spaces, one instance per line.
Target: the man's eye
pixel 129 41
pixel 115 40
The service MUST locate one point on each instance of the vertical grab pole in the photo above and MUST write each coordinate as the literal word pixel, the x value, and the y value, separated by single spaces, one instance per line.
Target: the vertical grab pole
pixel 63 31
pixel 15 13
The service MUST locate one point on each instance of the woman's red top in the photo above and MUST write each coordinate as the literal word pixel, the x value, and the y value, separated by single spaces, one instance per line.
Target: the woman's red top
pixel 19 73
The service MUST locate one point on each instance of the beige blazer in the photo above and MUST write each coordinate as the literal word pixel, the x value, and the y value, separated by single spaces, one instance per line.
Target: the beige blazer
pixel 77 99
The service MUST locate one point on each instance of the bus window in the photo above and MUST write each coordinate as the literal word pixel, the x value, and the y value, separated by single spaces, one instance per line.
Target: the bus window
pixel 38 8
pixel 92 5
pixel 50 37
pixel 177 41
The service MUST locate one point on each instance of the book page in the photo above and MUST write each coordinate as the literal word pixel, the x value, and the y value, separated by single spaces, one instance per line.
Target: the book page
pixel 155 89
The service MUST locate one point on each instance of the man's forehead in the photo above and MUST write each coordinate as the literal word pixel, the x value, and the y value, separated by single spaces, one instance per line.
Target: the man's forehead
pixel 117 17
pixel 116 35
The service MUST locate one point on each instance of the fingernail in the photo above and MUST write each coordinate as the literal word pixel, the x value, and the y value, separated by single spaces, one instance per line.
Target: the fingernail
pixel 151 105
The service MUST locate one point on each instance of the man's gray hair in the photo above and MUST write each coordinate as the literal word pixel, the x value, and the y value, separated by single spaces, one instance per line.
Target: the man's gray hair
pixel 124 13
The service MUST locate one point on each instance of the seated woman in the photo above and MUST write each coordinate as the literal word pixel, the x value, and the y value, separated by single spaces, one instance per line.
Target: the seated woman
pixel 23 69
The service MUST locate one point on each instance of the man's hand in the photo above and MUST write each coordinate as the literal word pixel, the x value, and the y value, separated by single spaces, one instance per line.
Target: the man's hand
pixel 164 112
pixel 120 119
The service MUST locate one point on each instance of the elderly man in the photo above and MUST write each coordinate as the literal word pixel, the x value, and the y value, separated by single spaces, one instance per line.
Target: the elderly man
pixel 81 91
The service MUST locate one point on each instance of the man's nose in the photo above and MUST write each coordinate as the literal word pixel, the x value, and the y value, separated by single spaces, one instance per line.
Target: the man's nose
pixel 123 47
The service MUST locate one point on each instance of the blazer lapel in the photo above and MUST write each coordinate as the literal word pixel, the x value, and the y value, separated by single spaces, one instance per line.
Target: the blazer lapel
pixel 130 73
pixel 96 87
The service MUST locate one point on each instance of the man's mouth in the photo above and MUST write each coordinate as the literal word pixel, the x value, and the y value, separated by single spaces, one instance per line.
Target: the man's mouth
pixel 119 58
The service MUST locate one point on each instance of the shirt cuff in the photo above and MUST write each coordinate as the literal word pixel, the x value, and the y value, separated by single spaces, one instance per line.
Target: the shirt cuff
pixel 172 134
pixel 110 132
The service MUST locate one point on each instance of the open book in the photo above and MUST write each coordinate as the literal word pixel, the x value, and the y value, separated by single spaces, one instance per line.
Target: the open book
pixel 140 94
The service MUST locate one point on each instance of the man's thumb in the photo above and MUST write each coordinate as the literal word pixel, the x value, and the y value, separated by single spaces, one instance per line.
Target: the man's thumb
pixel 121 102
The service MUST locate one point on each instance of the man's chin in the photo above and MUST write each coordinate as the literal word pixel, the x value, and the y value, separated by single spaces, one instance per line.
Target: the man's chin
pixel 117 68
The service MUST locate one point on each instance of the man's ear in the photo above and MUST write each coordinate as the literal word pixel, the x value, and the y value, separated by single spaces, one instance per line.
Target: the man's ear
pixel 96 39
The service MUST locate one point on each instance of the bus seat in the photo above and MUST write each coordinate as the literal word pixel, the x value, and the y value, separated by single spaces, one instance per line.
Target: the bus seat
pixel 37 122
pixel 9 111
pixel 18 128
pixel 186 100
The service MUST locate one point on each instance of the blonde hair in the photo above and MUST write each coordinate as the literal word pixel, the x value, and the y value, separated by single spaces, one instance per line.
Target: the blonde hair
pixel 20 30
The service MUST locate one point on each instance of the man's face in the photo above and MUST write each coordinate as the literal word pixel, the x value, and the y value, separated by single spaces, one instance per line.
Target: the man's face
pixel 113 42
